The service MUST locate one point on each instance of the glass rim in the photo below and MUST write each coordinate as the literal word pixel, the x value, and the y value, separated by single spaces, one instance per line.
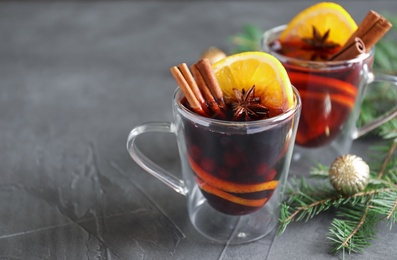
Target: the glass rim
pixel 310 64
pixel 206 121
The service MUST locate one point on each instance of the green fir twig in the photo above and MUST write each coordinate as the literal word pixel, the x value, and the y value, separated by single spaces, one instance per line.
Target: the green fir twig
pixel 357 216
pixel 248 40
pixel 353 228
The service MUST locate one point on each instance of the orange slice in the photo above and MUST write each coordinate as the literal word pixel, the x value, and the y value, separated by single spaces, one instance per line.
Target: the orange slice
pixel 246 69
pixel 230 197
pixel 323 16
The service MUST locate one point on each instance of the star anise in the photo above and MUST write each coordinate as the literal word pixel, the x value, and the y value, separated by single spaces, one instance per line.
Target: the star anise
pixel 319 44
pixel 247 106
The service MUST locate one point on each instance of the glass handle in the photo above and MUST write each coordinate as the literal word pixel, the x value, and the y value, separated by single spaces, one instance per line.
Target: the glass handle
pixel 154 169
pixel 378 77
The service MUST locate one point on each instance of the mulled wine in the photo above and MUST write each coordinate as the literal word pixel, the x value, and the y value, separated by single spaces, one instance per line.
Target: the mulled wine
pixel 328 96
pixel 237 171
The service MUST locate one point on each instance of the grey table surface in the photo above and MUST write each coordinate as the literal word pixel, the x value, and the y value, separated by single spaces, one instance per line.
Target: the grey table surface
pixel 75 77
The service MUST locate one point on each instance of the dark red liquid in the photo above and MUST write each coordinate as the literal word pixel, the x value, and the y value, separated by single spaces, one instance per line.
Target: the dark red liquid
pixel 237 173
pixel 303 51
pixel 328 96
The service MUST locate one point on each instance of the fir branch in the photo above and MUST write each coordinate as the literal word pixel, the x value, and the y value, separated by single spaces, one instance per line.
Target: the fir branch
pixel 357 215
pixel 371 192
pixel 304 201
pixel 345 243
pixel 353 228
pixel 308 211
pixel 392 210
pixel 247 40
pixel 319 171
pixel 386 205
pixel 389 129
pixel 387 159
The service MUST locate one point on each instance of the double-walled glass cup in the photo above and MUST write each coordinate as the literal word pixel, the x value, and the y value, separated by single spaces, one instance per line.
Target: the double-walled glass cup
pixel 332 94
pixel 233 172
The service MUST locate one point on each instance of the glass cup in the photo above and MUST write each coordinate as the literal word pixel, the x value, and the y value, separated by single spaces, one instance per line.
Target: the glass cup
pixel 331 93
pixel 233 172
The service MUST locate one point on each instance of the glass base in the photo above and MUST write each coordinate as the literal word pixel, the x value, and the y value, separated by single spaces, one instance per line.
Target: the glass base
pixel 230 229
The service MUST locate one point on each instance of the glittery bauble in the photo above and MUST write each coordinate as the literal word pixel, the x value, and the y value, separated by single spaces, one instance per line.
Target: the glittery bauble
pixel 349 174
pixel 213 54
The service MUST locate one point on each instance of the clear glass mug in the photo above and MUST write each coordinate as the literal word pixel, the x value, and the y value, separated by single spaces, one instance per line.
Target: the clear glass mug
pixel 332 94
pixel 233 173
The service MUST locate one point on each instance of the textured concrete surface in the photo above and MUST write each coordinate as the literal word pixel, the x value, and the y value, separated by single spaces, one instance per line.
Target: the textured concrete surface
pixel 74 79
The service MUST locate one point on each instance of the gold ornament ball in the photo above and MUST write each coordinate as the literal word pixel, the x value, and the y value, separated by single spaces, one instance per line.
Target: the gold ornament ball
pixel 213 54
pixel 349 174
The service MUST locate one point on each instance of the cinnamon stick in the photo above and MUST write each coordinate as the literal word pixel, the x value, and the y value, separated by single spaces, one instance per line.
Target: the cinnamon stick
pixel 370 31
pixel 193 85
pixel 205 89
pixel 204 66
pixel 351 51
pixel 378 30
pixel 191 98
